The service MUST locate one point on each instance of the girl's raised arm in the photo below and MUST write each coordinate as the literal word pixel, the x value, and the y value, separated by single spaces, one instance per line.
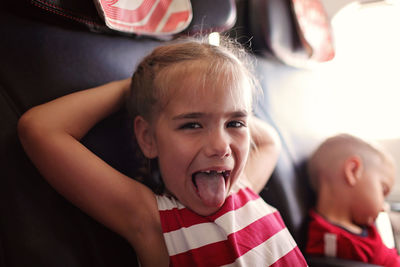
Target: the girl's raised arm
pixel 263 155
pixel 50 135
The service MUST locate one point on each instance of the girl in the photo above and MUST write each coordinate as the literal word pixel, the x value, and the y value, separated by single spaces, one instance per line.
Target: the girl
pixel 191 108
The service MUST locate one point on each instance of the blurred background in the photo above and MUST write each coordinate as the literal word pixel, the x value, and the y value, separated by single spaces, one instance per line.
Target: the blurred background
pixel 358 91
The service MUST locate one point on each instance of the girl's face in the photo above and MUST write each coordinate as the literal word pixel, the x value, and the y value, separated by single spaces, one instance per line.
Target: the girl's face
pixel 202 142
pixel 375 185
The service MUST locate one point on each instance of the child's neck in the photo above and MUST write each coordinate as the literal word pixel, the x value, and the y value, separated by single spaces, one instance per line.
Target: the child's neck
pixel 338 216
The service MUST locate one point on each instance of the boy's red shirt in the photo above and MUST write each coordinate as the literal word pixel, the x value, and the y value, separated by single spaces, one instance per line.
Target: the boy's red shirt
pixel 328 239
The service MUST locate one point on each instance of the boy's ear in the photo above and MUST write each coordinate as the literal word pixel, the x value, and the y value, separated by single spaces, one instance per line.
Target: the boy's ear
pixel 353 169
pixel 145 137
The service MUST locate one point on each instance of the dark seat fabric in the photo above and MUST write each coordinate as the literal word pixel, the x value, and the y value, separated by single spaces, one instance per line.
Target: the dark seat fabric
pixel 41 62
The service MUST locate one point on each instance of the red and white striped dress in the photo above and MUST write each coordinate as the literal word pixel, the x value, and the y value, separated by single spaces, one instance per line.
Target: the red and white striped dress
pixel 244 232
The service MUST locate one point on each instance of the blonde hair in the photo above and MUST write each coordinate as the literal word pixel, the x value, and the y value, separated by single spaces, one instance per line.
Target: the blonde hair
pixel 155 76
pixel 336 149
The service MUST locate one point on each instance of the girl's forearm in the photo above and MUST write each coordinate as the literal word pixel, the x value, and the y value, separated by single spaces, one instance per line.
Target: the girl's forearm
pixel 49 133
pixel 76 113
pixel 263 155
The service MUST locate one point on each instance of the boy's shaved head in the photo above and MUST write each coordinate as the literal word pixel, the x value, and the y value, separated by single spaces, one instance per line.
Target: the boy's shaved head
pixel 328 158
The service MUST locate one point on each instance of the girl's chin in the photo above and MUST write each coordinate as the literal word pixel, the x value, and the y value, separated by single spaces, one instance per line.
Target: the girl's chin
pixel 205 210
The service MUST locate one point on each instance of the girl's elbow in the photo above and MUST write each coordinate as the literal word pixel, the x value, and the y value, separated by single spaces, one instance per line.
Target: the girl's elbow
pixel 277 144
pixel 27 126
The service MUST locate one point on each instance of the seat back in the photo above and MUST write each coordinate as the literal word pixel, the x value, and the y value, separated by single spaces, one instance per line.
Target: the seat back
pixel 38 227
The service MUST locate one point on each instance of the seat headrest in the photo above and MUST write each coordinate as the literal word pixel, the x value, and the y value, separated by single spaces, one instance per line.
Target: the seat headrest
pixel 164 19
pixel 293 31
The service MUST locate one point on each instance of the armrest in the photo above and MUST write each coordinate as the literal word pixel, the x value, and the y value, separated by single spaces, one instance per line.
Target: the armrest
pixel 314 261
pixel 394 216
pixel 395 206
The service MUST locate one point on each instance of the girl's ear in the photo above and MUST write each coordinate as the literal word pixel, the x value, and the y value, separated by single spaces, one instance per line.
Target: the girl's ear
pixel 353 169
pixel 145 137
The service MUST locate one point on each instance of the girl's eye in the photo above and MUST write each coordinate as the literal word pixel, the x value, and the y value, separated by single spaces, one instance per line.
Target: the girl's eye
pixel 235 124
pixel 190 125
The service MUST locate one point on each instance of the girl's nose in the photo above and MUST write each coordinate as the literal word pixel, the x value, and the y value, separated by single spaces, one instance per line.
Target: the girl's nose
pixel 217 144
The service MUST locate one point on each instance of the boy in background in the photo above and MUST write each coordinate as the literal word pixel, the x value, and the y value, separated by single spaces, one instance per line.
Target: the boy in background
pixel 351 179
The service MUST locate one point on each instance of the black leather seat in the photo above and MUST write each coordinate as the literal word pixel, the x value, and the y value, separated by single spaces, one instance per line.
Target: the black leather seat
pixel 41 62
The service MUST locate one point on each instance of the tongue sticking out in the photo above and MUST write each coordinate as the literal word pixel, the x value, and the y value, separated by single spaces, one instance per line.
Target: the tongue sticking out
pixel 211 188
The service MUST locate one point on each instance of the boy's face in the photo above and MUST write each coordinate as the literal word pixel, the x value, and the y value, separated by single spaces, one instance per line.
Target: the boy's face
pixel 202 142
pixel 375 185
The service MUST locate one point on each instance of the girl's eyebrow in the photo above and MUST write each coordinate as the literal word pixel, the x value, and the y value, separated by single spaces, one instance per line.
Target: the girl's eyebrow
pixel 193 115
pixel 196 115
pixel 239 114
